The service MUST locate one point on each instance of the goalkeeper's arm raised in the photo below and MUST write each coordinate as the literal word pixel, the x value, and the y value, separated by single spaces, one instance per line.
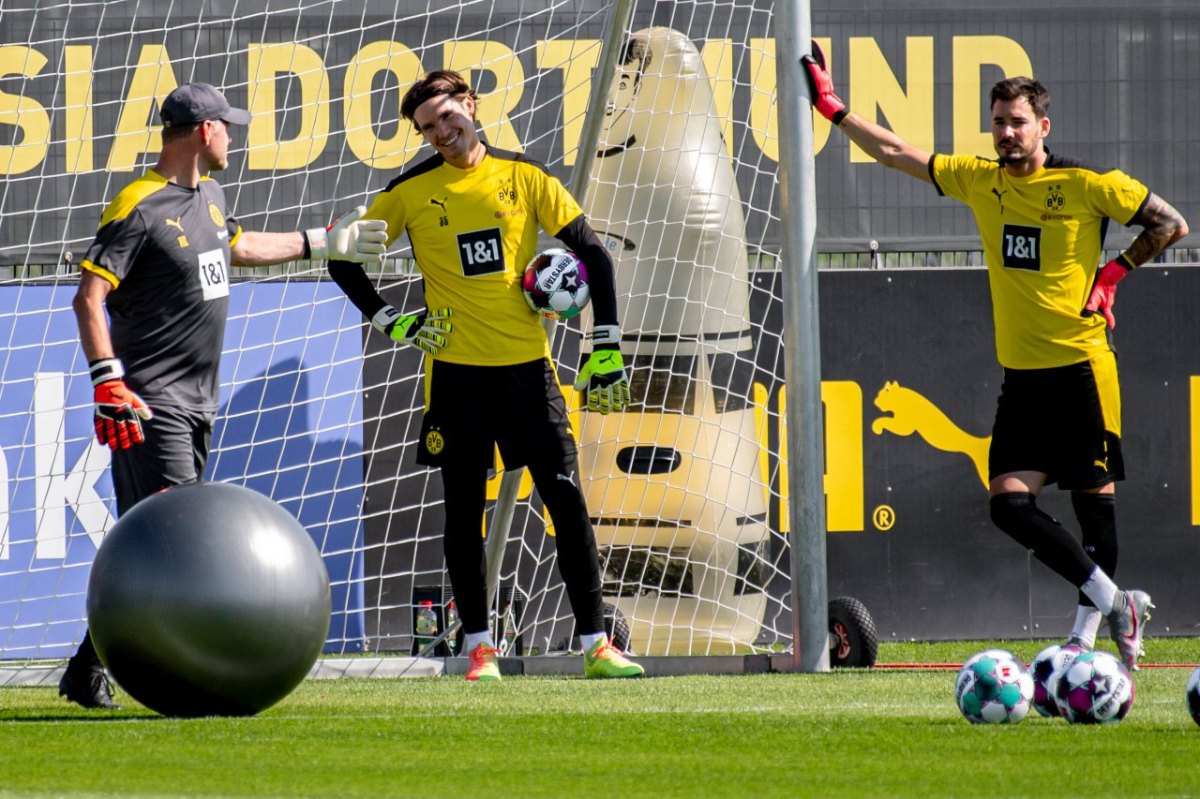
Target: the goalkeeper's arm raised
pixel 875 140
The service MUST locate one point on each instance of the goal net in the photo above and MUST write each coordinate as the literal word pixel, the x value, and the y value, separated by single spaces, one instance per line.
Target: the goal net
pixel 322 414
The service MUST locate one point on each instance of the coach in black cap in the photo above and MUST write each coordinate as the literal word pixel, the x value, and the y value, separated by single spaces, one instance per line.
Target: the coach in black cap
pixel 192 103
pixel 152 303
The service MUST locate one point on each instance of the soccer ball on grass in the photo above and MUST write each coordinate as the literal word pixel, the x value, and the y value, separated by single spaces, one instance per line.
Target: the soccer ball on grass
pixel 1094 688
pixel 555 284
pixel 1046 669
pixel 994 687
pixel 1193 695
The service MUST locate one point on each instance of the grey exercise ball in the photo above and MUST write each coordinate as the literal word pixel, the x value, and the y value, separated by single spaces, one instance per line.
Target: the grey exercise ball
pixel 208 600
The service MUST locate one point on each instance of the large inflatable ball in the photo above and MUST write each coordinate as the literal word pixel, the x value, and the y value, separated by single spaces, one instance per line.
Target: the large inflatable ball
pixel 208 600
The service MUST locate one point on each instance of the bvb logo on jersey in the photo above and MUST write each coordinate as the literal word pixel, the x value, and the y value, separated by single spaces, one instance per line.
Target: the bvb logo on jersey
pixel 218 218
pixel 434 442
pixel 1055 201
pixel 506 194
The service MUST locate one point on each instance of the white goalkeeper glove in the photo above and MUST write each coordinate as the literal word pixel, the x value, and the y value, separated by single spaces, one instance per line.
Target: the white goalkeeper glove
pixel 426 330
pixel 603 375
pixel 350 238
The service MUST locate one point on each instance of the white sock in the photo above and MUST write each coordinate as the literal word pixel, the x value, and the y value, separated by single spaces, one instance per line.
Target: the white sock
pixel 1087 623
pixel 1101 590
pixel 475 639
pixel 589 640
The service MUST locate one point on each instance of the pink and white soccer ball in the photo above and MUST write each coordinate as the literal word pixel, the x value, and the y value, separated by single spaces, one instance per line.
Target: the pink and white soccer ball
pixel 555 284
pixel 1095 688
pixel 1046 669
pixel 994 687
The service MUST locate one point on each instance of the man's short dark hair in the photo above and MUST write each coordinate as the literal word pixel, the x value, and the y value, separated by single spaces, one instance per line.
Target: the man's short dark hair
pixel 443 81
pixel 1030 89
pixel 179 131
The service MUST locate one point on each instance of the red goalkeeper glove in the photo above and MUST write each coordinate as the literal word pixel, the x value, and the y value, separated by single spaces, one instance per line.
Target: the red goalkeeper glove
pixel 118 413
pixel 820 86
pixel 1104 292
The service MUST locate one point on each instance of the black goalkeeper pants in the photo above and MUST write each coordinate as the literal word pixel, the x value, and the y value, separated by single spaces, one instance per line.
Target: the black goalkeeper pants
pixel 557 483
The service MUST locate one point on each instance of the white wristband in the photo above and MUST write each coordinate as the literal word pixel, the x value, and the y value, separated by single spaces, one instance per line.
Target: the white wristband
pixel 606 334
pixel 106 369
pixel 318 243
pixel 385 318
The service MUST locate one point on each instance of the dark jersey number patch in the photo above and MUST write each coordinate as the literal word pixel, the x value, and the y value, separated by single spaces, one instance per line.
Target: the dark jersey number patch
pixel 481 252
pixel 1022 247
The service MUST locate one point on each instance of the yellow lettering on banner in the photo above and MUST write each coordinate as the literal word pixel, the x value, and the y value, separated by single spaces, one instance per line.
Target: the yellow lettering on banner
pixel 764 118
pixel 22 112
pixel 577 58
pixel 717 55
pixel 152 80
pixel 842 401
pixel 402 147
pixel 264 64
pixel 764 123
pixel 874 87
pixel 493 108
pixel 971 53
pixel 762 428
pixel 78 111
pixel 1195 418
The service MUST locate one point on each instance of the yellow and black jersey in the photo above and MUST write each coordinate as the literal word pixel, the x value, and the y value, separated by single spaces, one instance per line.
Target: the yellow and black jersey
pixel 473 231
pixel 1042 238
pixel 165 249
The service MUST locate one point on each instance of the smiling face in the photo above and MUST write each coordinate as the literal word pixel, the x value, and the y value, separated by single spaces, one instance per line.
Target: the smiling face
pixel 448 123
pixel 1018 133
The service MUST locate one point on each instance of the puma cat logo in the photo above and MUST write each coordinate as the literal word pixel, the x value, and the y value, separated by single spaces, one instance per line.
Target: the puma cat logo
pixel 913 413
pixel 438 203
pixel 175 223
pixel 1000 199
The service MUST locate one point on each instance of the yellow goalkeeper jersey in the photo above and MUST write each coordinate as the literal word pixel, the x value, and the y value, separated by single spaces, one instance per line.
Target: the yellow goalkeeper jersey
pixel 473 231
pixel 1042 237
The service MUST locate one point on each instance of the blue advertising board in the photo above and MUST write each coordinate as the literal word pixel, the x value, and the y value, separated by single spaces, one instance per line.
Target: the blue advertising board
pixel 289 426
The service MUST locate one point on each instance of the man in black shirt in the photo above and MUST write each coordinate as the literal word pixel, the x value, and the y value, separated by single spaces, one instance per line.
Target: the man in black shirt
pixel 160 264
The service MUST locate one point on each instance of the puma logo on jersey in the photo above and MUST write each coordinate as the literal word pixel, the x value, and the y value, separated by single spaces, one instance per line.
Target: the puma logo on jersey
pixel 181 240
pixel 438 203
pixel 1000 199
pixel 1101 464
pixel 569 477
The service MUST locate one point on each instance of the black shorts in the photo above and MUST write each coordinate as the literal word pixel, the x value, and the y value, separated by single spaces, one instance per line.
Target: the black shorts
pixel 474 409
pixel 174 453
pixel 1064 422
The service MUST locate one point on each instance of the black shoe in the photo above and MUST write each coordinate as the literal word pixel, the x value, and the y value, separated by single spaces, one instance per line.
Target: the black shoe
pixel 88 687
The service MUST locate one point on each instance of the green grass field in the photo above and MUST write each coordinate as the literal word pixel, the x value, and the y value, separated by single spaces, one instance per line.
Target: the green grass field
pixel 880 733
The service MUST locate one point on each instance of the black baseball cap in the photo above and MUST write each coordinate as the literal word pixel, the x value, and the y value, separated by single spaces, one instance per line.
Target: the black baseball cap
pixel 193 103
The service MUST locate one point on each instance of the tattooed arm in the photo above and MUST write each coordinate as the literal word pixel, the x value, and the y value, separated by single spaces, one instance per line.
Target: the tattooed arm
pixel 1163 226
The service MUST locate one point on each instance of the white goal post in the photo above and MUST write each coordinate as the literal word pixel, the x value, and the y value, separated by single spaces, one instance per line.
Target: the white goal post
pixel 686 489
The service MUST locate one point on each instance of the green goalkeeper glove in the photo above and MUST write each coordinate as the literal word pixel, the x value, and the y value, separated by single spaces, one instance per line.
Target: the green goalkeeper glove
pixel 426 330
pixel 603 375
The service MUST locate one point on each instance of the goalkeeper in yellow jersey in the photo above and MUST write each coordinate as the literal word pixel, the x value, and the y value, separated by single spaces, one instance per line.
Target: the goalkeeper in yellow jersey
pixel 1042 220
pixel 473 215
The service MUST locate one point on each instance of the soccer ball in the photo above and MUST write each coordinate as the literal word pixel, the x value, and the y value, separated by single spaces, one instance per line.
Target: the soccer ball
pixel 1046 668
pixel 1193 695
pixel 1094 688
pixel 556 284
pixel 994 687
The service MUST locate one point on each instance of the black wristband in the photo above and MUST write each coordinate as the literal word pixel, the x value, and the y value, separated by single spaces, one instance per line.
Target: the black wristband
pixel 1126 262
pixel 838 116
pixel 307 256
